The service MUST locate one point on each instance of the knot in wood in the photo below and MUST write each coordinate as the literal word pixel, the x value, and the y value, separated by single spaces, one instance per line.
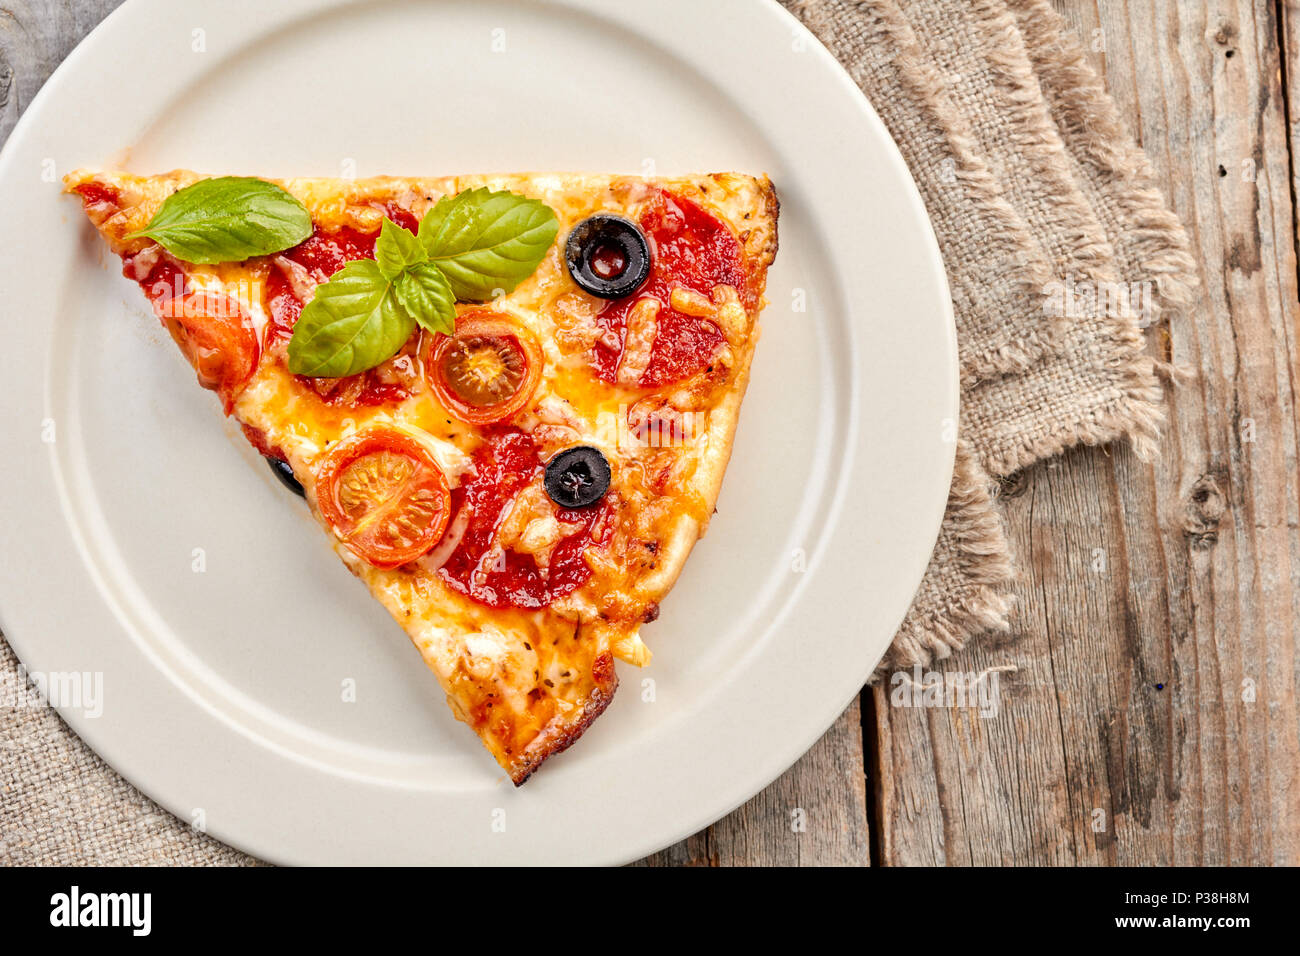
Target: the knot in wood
pixel 1204 510
pixel 6 78
pixel 1013 485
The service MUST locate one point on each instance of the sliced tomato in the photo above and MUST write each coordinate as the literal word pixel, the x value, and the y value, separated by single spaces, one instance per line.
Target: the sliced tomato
pixel 487 370
pixel 384 496
pixel 216 335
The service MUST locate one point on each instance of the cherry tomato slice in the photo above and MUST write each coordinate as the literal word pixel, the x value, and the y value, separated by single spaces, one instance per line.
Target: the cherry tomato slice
pixel 384 496
pixel 487 370
pixel 216 335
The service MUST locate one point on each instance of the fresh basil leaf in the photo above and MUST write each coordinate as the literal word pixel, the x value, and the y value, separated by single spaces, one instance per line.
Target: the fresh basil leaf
pixel 228 219
pixel 396 249
pixel 425 293
pixel 353 323
pixel 487 242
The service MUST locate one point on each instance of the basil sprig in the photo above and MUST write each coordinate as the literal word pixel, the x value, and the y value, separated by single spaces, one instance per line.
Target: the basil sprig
pixel 471 246
pixel 486 243
pixel 228 219
pixel 352 318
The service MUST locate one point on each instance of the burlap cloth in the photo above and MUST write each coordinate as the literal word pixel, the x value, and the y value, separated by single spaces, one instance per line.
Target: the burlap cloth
pixel 1033 187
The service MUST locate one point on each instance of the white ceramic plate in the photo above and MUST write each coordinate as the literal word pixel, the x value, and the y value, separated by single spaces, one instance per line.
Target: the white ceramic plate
pixel 144 541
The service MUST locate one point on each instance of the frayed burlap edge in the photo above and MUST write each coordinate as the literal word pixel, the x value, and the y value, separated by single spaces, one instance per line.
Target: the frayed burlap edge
pixel 1136 415
pixel 1141 227
pixel 898 51
pixel 1068 213
pixel 972 538
pixel 981 187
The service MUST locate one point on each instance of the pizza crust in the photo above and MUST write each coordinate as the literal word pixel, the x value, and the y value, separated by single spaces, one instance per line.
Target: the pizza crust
pixel 680 540
pixel 528 682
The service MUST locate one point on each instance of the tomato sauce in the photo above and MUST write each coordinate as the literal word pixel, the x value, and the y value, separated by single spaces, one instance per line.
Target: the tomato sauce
pixel 323 254
pixel 692 248
pixel 95 193
pixel 402 216
pixel 506 464
pixel 165 281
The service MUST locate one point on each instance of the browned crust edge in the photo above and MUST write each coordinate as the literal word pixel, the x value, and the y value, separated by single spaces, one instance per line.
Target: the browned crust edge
pixel 558 737
pixel 677 545
pixel 772 210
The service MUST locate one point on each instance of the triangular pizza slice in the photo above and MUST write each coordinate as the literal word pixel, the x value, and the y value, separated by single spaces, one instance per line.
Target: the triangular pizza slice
pixel 509 400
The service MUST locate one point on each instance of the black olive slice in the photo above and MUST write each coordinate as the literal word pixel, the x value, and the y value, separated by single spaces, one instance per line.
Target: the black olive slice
pixel 577 477
pixel 282 471
pixel 608 256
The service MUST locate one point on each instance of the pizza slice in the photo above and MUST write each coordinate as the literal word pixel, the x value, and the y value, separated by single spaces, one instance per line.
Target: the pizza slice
pixel 509 400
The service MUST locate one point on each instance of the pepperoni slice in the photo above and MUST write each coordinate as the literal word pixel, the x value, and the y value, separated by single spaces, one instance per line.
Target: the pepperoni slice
pixel 321 255
pixel 158 275
pixel 100 201
pixel 506 464
pixel 692 248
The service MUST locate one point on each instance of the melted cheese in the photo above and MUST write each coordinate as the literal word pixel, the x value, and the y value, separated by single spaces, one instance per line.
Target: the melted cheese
pixel 247 290
pixel 519 677
pixel 638 340
pixel 301 282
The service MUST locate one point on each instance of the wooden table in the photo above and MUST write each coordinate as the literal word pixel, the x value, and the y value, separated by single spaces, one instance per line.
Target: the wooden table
pixel 1151 714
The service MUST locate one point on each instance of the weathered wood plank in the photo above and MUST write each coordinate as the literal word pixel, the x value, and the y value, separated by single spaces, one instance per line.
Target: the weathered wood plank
pixel 1289 40
pixel 1152 717
pixel 35 37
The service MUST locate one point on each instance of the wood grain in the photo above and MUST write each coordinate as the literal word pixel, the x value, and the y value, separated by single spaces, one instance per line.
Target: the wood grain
pixel 1152 715
pixel 36 37
pixel 1289 41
